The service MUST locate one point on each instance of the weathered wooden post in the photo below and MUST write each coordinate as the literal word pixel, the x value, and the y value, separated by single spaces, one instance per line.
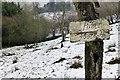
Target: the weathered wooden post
pixel 93 32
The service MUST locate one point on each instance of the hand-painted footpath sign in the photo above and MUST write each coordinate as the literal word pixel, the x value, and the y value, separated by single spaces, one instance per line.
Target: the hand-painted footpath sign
pixel 89 30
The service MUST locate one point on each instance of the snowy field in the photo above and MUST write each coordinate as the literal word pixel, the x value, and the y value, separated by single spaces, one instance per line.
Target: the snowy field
pixel 43 61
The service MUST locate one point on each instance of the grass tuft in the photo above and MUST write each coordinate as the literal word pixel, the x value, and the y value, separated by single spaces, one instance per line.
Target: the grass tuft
pixel 76 65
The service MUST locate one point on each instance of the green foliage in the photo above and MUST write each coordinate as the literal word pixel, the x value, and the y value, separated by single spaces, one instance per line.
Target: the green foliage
pixel 10 9
pixel 24 28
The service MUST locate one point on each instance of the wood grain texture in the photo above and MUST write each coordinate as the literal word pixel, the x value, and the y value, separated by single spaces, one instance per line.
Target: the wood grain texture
pixel 89 30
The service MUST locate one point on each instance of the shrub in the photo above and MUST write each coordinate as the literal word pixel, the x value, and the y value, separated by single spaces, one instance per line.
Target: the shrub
pixel 10 9
pixel 24 28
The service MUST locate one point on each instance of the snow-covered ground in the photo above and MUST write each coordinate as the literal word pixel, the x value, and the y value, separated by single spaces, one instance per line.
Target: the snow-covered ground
pixel 39 62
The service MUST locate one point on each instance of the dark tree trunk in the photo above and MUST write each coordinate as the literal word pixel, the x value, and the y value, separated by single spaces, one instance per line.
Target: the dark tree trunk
pixel 53 33
pixel 63 23
pixel 93 60
pixel 111 19
pixel 93 50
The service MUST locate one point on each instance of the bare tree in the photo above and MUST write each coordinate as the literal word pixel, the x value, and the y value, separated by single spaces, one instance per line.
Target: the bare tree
pixel 108 8
pixel 63 25
pixel 54 21
pixel 119 8
pixel 36 7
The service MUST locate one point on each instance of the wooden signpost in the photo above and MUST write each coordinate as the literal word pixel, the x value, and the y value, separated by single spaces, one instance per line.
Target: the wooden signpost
pixel 93 31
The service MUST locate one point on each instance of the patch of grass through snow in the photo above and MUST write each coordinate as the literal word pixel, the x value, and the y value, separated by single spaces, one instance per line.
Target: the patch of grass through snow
pixel 76 65
pixel 111 48
pixel 114 61
pixel 78 57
